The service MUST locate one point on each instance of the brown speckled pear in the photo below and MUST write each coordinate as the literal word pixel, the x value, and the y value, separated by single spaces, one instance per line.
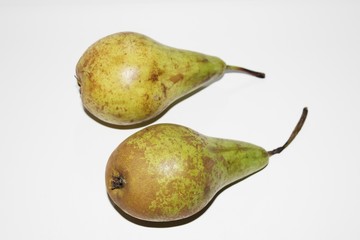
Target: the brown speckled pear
pixel 127 78
pixel 168 172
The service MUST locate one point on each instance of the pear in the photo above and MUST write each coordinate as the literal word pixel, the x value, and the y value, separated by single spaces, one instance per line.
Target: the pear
pixel 168 172
pixel 127 78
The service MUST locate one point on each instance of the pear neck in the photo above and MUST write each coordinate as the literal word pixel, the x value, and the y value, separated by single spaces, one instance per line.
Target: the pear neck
pixel 233 160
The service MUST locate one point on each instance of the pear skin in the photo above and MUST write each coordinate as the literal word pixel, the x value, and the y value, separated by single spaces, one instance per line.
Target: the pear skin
pixel 128 78
pixel 168 172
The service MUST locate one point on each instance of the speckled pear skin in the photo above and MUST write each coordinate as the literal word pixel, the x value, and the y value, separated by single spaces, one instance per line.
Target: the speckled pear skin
pixel 168 172
pixel 127 78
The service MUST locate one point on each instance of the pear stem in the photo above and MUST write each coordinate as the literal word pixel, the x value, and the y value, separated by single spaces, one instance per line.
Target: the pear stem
pixel 293 134
pixel 230 68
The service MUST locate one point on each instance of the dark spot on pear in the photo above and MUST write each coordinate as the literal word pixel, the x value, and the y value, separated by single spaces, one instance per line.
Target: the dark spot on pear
pixel 203 60
pixel 117 182
pixel 154 77
pixel 176 78
pixel 164 89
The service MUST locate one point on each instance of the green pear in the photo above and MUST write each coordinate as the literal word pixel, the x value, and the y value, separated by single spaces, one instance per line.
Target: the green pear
pixel 167 172
pixel 127 78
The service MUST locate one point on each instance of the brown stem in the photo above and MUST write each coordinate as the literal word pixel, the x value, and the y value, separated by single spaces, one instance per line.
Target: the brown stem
pixel 230 68
pixel 293 134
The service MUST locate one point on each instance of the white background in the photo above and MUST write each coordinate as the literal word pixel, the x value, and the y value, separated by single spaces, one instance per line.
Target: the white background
pixel 53 155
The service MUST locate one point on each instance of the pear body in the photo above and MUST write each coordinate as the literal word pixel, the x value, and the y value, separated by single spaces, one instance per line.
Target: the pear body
pixel 127 78
pixel 168 172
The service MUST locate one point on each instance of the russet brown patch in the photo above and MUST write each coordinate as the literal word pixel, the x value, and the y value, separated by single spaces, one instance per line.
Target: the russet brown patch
pixel 176 78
